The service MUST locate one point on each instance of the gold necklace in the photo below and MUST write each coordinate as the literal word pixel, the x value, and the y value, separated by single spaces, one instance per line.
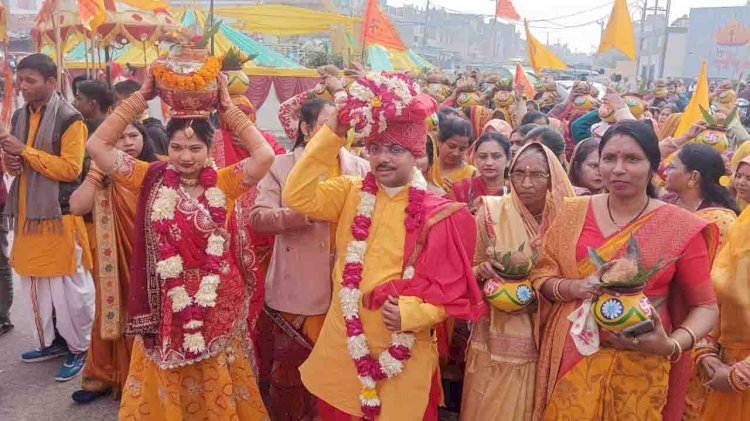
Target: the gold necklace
pixel 188 182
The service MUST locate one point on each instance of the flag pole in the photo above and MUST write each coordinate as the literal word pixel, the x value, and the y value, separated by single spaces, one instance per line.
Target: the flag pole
pixel 494 31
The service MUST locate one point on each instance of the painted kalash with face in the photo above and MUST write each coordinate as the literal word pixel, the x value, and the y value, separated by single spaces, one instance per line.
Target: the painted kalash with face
pixel 468 94
pixel 724 95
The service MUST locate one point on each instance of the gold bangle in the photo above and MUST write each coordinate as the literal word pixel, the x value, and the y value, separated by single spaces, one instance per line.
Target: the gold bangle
pixel 675 348
pixel 556 290
pixel 94 180
pixel 693 337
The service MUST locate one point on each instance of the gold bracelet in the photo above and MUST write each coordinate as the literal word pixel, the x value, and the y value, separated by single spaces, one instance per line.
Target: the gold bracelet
pixel 693 337
pixel 676 348
pixel 556 290
pixel 131 108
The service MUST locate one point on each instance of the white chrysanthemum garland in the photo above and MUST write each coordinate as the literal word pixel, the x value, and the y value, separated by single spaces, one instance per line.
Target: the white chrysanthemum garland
pixel 390 362
pixel 190 310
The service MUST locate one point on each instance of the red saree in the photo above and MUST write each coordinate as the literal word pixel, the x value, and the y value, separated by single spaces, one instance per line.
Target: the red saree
pixel 685 283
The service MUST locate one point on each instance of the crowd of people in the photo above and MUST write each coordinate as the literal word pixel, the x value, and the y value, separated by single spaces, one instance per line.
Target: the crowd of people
pixel 199 270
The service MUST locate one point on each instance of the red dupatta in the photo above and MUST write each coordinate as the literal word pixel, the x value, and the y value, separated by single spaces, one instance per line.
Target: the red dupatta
pixel 446 240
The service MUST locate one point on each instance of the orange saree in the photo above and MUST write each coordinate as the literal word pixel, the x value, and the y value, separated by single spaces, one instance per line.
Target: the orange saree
pixel 112 246
pixel 613 384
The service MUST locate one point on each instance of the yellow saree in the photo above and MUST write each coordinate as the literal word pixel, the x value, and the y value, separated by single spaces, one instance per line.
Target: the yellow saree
pixel 501 359
pixel 610 384
pixel 112 245
pixel 731 276
pixel 437 178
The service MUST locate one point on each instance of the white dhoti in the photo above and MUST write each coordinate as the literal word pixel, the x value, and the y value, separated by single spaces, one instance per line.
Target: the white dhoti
pixel 71 297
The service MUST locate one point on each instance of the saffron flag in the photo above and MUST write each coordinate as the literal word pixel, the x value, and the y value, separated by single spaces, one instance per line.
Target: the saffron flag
pixel 93 13
pixel 147 4
pixel 539 56
pixel 521 79
pixel 378 29
pixel 3 25
pixel 619 31
pixel 700 99
pixel 505 9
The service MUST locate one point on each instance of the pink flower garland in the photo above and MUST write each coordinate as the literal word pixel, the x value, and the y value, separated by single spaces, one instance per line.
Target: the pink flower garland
pixel 191 311
pixel 390 362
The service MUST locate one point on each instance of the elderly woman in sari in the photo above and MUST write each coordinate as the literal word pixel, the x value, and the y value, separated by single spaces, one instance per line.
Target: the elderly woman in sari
pixel 501 362
pixel 491 157
pixel 643 377
pixel 724 356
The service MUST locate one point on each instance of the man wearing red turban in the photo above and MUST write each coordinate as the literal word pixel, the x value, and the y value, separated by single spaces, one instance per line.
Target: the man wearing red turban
pixel 404 258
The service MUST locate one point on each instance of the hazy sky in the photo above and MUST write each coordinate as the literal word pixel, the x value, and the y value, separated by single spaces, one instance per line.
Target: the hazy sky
pixel 581 38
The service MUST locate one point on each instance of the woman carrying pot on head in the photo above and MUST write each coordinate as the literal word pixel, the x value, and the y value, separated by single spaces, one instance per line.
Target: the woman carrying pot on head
pixel 491 157
pixel 628 377
pixel 501 361
pixel 298 283
pixel 584 168
pixel 724 356
pixel 187 302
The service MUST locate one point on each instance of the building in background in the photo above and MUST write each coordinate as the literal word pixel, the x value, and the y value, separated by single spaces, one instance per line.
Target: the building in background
pixel 720 35
pixel 456 40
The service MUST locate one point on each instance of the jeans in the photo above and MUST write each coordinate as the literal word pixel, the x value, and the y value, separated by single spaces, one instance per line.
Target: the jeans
pixel 6 279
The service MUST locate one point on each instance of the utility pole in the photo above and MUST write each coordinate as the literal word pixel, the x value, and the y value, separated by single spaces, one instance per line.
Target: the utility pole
pixel 424 25
pixel 640 43
pixel 666 40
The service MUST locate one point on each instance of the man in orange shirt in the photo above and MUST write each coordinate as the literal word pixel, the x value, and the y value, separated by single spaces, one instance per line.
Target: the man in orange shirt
pixel 403 263
pixel 50 249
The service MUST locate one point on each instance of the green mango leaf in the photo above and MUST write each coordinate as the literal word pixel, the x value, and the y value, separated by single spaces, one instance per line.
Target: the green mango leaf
pixel 707 116
pixel 523 269
pixel 506 260
pixel 520 248
pixel 730 118
pixel 595 258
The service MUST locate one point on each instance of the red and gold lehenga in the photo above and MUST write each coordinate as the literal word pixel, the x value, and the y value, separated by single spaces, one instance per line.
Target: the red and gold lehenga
pixel 613 384
pixel 168 379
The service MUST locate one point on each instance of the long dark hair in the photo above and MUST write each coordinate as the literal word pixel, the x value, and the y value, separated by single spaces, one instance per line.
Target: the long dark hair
pixel 645 136
pixel 582 151
pixel 710 165
pixel 147 152
pixel 308 114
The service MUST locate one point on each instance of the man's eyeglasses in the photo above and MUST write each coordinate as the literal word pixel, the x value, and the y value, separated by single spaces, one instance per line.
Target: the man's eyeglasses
pixel 391 149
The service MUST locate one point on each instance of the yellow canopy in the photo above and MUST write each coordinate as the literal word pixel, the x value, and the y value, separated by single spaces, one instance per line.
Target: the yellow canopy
pixel 283 20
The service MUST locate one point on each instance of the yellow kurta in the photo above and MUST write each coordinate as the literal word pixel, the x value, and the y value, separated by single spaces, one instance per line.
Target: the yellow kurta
pixel 51 253
pixel 329 373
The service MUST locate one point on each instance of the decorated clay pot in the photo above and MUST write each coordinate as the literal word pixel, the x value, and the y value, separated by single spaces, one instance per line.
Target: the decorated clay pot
pixel 714 137
pixel 584 103
pixel 617 309
pixel 188 102
pixel 515 294
pixel 439 91
pixel 504 98
pixel 467 99
pixel 237 81
pixel 635 104
pixel 607 113
pixel 660 92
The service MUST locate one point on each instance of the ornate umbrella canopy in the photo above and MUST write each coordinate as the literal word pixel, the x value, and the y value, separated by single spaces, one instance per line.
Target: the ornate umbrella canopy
pixel 124 23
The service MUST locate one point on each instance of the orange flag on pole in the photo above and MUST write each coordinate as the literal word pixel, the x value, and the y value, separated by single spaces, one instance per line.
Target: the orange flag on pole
pixel 93 13
pixel 378 29
pixel 539 56
pixel 521 79
pixel 619 31
pixel 700 99
pixel 3 24
pixel 505 9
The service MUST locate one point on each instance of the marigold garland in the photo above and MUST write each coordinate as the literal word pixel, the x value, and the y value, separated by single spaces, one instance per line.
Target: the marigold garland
pixel 196 80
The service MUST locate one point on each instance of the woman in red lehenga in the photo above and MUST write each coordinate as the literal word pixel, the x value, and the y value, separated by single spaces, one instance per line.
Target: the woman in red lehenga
pixel 187 303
